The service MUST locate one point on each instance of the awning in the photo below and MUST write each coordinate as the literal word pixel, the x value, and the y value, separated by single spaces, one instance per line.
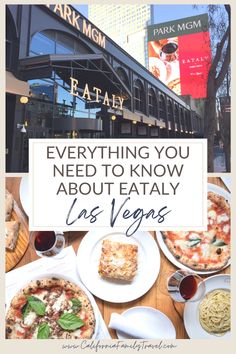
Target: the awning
pixel 93 69
pixel 15 86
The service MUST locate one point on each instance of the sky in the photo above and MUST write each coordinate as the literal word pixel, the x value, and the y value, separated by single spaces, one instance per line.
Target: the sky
pixel 163 13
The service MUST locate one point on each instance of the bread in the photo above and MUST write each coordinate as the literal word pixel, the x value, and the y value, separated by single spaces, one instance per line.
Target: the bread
pixel 11 234
pixel 9 202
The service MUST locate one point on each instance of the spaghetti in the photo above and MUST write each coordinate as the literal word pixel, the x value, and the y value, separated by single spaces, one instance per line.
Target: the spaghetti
pixel 214 312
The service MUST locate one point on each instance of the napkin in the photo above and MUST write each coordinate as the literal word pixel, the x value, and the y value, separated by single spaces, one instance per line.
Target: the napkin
pixel 136 330
pixel 66 264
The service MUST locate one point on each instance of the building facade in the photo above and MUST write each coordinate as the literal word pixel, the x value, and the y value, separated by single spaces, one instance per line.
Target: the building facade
pixel 66 79
pixel 126 24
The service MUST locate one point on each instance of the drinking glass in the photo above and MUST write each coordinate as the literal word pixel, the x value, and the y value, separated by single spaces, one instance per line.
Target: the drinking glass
pixel 47 243
pixel 185 286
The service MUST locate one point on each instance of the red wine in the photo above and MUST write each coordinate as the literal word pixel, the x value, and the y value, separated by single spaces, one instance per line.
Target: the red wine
pixel 44 240
pixel 169 48
pixel 188 287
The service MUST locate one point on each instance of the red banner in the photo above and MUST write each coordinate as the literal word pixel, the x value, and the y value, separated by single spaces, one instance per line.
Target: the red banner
pixel 182 61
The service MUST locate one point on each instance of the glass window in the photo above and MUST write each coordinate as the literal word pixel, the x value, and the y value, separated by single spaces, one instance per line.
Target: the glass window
pixel 55 42
pixel 139 96
pixel 152 104
pixel 182 119
pixel 162 108
pixel 42 44
pixel 170 113
pixel 64 44
pixel 177 121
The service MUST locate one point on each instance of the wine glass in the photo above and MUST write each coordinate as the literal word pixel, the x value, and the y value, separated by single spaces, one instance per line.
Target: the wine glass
pixel 185 286
pixel 47 243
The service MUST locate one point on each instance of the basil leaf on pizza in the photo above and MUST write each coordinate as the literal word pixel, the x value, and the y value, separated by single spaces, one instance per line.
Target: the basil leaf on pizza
pixel 70 321
pixel 76 304
pixel 193 243
pixel 43 331
pixel 219 243
pixel 37 305
pixel 47 308
pixel 25 310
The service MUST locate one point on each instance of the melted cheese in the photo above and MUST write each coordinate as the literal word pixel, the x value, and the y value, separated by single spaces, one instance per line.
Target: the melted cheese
pixel 18 328
pixel 222 218
pixel 41 295
pixel 59 301
pixel 209 203
pixel 193 236
pixel 77 333
pixel 29 319
pixel 181 243
pixel 117 262
pixel 226 229
pixel 212 214
pixel 205 250
pixel 195 257
pixel 35 334
pixel 210 233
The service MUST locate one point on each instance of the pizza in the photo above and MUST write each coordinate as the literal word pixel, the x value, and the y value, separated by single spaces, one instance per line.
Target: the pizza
pixel 206 250
pixel 50 308
pixel 118 260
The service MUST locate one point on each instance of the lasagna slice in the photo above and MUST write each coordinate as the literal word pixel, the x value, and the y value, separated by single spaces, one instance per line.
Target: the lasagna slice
pixel 118 260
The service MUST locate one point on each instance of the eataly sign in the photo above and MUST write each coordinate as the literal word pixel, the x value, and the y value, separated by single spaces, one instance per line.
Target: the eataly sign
pixel 112 101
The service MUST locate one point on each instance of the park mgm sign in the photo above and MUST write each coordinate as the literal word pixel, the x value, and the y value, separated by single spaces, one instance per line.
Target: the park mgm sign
pixel 81 24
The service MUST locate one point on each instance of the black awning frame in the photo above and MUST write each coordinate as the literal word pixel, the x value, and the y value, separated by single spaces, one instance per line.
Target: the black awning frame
pixel 30 64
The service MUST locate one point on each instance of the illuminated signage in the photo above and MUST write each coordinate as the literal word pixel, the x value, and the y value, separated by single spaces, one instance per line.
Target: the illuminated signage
pixel 109 100
pixel 81 24
pixel 180 54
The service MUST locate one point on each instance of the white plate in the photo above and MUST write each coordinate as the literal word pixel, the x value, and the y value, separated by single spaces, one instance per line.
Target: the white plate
pixel 150 317
pixel 159 64
pixel 23 283
pixel 169 255
pixel 24 194
pixel 110 290
pixel 191 312
pixel 227 180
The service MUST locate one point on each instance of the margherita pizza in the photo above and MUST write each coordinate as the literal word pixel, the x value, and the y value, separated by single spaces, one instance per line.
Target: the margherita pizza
pixel 209 250
pixel 50 308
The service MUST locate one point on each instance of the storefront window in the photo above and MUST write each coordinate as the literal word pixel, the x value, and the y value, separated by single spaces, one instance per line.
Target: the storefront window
pixel 182 119
pixel 177 122
pixel 55 42
pixel 139 96
pixel 64 44
pixel 170 115
pixel 50 98
pixel 123 76
pixel 152 103
pixel 162 108
pixel 42 43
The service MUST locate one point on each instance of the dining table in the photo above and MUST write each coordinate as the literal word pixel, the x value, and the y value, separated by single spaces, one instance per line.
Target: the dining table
pixel 155 298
